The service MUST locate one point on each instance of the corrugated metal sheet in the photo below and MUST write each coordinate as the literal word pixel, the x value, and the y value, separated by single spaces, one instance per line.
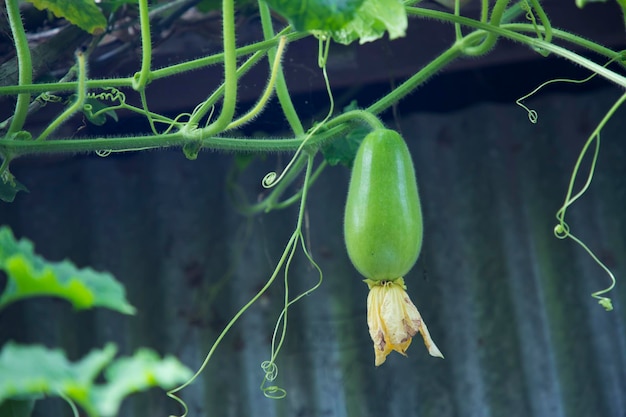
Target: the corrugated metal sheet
pixel 507 303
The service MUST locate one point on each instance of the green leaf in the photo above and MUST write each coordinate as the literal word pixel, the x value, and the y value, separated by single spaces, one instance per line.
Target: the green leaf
pixel 28 371
pixel 32 370
pixel 83 13
pixel 138 373
pixel 9 187
pixel 372 20
pixel 343 151
pixel 30 275
pixel 321 15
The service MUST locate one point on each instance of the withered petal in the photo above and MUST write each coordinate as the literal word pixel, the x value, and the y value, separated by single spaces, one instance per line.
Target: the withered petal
pixel 393 320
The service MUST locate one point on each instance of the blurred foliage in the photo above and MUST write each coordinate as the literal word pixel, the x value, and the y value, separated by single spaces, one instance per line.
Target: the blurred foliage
pixel 30 371
pixel 83 13
pixel 30 275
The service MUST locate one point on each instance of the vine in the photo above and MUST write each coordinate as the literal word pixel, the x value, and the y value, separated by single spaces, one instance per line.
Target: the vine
pixel 532 114
pixel 24 63
pixel 81 94
pixel 562 229
pixel 271 179
pixel 511 31
pixel 297 238
pixel 269 367
pixel 213 123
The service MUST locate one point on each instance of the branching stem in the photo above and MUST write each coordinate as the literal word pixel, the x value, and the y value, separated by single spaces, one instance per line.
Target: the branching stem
pixel 81 94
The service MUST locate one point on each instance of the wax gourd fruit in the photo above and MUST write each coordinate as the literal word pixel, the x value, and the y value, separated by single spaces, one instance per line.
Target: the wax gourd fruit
pixel 383 216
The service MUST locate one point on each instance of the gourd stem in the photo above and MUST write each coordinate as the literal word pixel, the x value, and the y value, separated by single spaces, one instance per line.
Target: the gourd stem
pixel 365 115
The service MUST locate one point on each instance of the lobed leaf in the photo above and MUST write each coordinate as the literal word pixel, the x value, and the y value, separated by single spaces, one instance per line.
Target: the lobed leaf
pixel 319 15
pixel 372 20
pixel 29 371
pixel 137 373
pixel 30 275
pixel 83 13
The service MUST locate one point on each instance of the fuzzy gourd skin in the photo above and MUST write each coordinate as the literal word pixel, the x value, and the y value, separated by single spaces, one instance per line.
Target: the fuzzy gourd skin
pixel 383 216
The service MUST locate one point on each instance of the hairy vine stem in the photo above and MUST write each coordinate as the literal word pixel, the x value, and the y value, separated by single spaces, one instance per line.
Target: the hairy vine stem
pixel 282 92
pixel 157 73
pixel 143 77
pixel 490 38
pixel 207 137
pixel 25 72
pixel 230 76
pixel 505 32
pixel 262 101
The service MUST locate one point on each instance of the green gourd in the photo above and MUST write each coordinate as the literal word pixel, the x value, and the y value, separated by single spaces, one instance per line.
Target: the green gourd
pixel 383 217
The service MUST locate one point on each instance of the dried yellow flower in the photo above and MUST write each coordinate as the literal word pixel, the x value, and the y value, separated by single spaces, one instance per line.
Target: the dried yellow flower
pixel 393 320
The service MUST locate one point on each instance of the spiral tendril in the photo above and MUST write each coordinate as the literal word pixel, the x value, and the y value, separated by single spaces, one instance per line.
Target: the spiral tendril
pixel 279 334
pixel 118 100
pixel 273 392
pixel 270 369
pixel 270 179
pixel 561 230
pixel 532 114
pixel 109 94
pixel 45 98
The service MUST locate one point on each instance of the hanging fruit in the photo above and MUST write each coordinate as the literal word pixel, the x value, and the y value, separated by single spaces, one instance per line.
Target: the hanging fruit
pixel 383 234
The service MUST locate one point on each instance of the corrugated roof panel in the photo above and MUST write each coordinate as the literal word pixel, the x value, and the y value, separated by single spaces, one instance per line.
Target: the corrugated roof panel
pixel 508 304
